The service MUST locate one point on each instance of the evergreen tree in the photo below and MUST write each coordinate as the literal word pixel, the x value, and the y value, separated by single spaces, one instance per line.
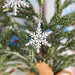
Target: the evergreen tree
pixel 28 54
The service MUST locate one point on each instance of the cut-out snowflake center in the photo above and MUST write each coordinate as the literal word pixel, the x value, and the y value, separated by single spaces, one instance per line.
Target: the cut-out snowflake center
pixel 38 38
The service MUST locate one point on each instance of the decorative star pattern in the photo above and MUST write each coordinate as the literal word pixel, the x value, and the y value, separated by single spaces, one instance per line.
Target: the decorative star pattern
pixel 38 38
pixel 15 4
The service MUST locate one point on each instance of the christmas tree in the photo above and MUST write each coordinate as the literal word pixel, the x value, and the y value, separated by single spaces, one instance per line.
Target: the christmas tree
pixel 36 41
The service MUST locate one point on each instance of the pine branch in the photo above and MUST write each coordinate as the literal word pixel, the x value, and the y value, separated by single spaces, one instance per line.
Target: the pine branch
pixel 67 3
pixel 67 20
pixel 57 13
pixel 41 2
pixel 14 53
pixel 28 54
pixel 66 62
pixel 3 60
pixel 5 36
pixel 58 8
pixel 4 20
pixel 27 13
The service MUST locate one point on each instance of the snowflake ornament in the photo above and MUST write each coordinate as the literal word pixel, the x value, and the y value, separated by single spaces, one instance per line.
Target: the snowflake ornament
pixel 38 38
pixel 15 4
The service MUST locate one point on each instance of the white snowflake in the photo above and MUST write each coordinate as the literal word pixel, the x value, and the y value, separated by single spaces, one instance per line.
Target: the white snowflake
pixel 38 38
pixel 15 4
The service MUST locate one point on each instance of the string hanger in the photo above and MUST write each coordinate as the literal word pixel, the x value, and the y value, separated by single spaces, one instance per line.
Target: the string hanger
pixel 41 14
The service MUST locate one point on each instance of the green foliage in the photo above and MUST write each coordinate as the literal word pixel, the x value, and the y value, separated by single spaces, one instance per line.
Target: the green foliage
pixel 3 60
pixel 53 55
pixel 4 20
pixel 67 3
pixel 1 46
pixel 41 2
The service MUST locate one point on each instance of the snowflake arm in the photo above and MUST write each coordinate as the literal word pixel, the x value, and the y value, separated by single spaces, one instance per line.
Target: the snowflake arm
pixel 30 42
pixel 15 4
pixel 47 34
pixel 30 33
pixel 24 4
pixel 8 4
